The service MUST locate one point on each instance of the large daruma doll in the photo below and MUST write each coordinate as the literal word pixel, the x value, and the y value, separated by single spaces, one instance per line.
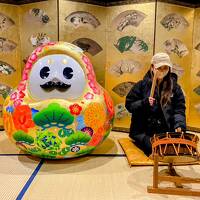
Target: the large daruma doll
pixel 58 109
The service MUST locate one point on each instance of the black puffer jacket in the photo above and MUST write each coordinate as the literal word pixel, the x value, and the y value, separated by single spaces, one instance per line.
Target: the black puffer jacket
pixel 147 120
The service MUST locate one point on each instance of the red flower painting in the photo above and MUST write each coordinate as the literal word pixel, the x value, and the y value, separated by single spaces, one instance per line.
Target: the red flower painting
pixel 22 118
pixel 75 109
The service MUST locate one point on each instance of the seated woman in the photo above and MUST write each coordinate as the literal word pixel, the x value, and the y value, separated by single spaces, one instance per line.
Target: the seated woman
pixel 164 112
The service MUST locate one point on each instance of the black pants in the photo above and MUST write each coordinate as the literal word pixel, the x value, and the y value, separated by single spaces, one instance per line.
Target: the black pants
pixel 144 145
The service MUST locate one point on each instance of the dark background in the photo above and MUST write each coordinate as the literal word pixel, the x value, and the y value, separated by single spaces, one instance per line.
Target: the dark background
pixel 189 3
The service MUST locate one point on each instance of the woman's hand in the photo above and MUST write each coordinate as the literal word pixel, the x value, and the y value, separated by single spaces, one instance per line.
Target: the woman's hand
pixel 151 101
pixel 178 130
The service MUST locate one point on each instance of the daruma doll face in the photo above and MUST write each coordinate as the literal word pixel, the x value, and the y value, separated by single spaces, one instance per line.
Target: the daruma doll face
pixel 57 76
pixel 58 109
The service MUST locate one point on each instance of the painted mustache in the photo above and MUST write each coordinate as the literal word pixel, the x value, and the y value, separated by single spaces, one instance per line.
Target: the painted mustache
pixel 50 86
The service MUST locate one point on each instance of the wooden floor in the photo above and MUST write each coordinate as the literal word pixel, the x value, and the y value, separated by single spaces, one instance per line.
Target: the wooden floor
pixel 103 175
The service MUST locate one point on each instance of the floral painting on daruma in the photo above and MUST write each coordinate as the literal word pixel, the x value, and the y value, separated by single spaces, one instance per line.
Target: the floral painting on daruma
pixel 58 109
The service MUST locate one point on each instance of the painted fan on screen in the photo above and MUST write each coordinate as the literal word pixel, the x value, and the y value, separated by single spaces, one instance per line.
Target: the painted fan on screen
pixel 197 47
pixel 82 18
pixel 197 90
pixel 39 39
pixel 127 18
pixel 177 69
pixel 131 43
pixel 7 45
pixel 6 68
pixel 174 21
pixel 5 22
pixel 176 46
pixel 37 15
pixel 120 111
pixel 88 45
pixel 4 90
pixel 125 66
pixel 123 88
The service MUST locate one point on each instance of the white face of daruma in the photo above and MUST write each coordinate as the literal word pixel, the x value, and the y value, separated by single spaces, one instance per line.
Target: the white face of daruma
pixel 56 76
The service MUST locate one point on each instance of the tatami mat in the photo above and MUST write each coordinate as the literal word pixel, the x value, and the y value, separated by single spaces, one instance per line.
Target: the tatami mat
pixel 14 173
pixel 105 175
pixel 96 179
pixel 6 146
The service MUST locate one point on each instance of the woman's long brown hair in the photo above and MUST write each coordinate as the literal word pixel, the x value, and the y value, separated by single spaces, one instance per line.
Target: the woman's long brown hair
pixel 165 89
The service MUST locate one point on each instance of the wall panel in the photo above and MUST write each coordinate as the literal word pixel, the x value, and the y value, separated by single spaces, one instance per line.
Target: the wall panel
pixel 38 24
pixel 194 114
pixel 174 35
pixel 129 50
pixel 9 50
pixel 119 48
pixel 82 20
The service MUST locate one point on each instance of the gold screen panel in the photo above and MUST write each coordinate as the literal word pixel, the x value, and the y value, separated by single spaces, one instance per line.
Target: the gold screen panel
pixel 170 39
pixel 38 24
pixel 119 35
pixel 85 26
pixel 9 50
pixel 194 114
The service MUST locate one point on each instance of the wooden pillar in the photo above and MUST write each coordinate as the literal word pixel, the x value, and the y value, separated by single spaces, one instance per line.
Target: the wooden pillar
pixel 155 171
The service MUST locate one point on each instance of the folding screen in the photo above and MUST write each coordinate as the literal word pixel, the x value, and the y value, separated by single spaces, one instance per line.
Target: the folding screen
pixel 130 40
pixel 174 34
pixel 194 103
pixel 84 25
pixel 38 25
pixel 10 69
